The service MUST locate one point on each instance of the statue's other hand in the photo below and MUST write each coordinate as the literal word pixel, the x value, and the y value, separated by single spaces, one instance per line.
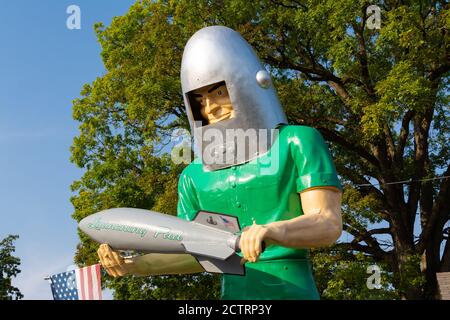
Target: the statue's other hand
pixel 111 261
pixel 252 242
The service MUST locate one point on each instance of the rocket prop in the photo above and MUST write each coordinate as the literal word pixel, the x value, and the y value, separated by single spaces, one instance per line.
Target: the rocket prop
pixel 212 238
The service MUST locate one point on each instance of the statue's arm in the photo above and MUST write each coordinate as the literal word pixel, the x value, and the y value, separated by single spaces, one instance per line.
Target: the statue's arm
pixel 319 226
pixel 163 264
pixel 147 265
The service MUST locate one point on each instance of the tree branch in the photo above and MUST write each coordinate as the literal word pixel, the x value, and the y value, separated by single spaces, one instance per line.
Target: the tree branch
pixel 403 137
pixel 313 72
pixel 362 54
pixel 439 71
pixel 440 212
pixel 421 135
pixel 389 142
pixel 339 139
pixel 378 255
pixel 358 179
pixel 282 4
pixel 366 236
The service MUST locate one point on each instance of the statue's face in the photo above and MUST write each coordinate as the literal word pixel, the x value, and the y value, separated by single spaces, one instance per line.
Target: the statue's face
pixel 215 103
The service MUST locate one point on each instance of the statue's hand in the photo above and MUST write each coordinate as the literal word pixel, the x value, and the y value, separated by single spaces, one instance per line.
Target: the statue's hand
pixel 251 242
pixel 111 261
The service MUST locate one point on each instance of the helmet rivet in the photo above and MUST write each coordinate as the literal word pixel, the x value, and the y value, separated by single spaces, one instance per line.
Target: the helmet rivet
pixel 263 79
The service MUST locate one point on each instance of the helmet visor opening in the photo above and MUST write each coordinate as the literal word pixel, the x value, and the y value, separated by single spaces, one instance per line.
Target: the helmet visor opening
pixel 211 104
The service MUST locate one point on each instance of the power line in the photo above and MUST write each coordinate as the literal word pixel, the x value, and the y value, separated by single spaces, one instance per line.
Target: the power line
pixel 400 182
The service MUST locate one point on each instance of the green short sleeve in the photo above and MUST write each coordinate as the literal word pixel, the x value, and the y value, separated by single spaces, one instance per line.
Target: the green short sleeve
pixel 312 159
pixel 188 204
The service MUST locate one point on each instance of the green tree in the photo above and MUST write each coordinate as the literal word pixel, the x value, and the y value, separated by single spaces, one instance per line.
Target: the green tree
pixel 379 96
pixel 344 276
pixel 9 268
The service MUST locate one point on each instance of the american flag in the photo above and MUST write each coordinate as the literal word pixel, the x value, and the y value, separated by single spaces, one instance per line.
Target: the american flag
pixel 78 284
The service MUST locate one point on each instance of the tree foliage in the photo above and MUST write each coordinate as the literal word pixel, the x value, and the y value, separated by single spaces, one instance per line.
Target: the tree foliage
pixel 379 96
pixel 9 268
pixel 346 277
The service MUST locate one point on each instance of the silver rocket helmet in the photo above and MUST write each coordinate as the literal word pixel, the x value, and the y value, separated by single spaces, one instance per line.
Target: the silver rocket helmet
pixel 216 56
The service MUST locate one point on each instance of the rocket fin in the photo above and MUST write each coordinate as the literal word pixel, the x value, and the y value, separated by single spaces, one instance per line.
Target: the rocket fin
pixel 212 250
pixel 230 266
pixel 219 221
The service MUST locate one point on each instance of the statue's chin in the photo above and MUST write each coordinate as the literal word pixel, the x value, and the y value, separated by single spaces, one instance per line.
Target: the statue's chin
pixel 224 117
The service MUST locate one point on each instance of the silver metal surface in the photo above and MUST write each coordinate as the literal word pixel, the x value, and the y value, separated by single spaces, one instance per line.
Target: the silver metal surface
pixel 215 54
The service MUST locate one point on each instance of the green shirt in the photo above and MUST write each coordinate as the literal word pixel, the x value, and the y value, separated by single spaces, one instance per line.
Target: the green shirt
pixel 262 190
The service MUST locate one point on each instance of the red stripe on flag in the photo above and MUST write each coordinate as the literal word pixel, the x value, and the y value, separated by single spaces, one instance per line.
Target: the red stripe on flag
pixel 99 285
pixel 82 284
pixel 89 280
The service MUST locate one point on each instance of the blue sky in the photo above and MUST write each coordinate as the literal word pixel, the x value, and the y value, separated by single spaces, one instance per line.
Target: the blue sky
pixel 43 66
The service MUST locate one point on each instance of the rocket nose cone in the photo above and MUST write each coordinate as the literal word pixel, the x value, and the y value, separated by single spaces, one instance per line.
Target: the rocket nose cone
pixel 86 224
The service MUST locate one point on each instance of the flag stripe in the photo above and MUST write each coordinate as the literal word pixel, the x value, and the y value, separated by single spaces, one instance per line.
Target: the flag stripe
pixel 89 282
pixel 99 282
pixel 94 282
pixel 78 281
pixel 82 279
